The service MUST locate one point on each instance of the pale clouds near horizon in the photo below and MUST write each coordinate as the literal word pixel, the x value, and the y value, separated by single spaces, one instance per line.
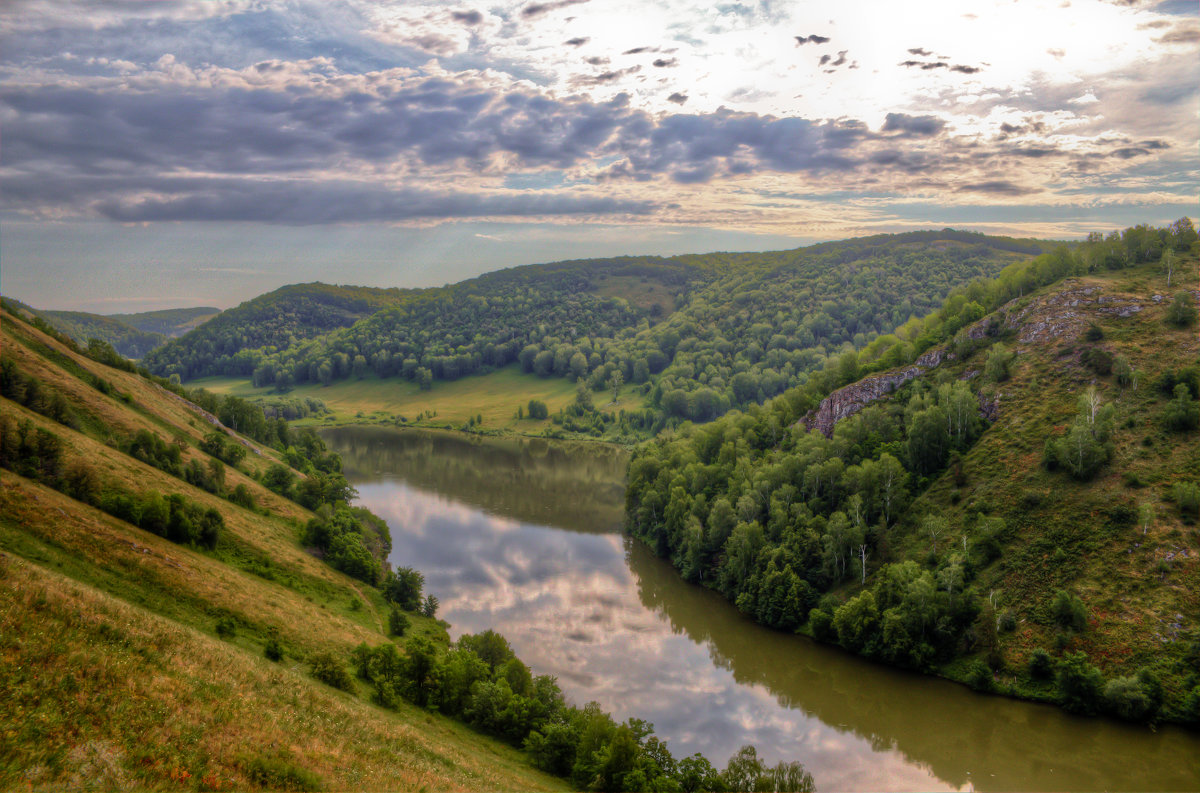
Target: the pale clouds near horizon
pixel 793 121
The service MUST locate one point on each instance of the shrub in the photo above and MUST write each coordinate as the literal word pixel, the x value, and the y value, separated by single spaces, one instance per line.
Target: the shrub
pixel 1187 497
pixel 276 774
pixel 1041 665
pixel 1128 698
pixel 226 628
pixel 1182 312
pixel 979 676
pixel 1079 684
pixel 1068 611
pixel 273 650
pixel 537 409
pixel 1098 360
pixel 327 668
pixel 397 622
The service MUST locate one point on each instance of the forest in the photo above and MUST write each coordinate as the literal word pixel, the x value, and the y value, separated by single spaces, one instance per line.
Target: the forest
pixel 829 534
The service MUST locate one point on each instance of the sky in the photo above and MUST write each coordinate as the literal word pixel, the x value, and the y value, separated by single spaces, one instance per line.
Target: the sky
pixel 164 153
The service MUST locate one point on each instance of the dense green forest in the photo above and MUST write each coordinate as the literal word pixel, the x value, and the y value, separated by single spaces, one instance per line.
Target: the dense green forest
pixel 733 329
pixel 862 537
pixel 170 322
pixel 233 341
pixel 85 436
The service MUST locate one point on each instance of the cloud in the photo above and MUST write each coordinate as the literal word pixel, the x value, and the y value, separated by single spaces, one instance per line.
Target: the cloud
pixel 678 98
pixel 467 17
pixel 958 67
pixel 813 39
pixel 995 187
pixel 538 9
pixel 918 126
pixel 578 41
pixel 919 51
pixel 1181 34
pixel 639 50
pixel 666 62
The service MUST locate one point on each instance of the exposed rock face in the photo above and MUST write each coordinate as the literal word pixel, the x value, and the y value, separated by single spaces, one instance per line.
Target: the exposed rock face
pixel 1064 313
pixel 848 400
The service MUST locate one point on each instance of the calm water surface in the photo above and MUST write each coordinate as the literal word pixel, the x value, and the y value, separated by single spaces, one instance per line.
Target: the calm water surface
pixel 523 536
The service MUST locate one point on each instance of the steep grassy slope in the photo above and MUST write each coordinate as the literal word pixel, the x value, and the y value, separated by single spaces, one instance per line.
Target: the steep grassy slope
pixel 1023 523
pixel 112 674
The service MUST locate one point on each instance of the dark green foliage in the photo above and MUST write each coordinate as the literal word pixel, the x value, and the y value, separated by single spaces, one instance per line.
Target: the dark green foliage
pixel 230 342
pixel 999 363
pixel 1182 311
pixel 1187 497
pixel 1098 360
pixel 478 680
pixel 350 539
pixel 429 606
pixel 1135 698
pixel 1068 611
pixel 537 409
pixel 278 774
pixel 979 676
pixel 397 622
pixel 226 627
pixel 403 587
pixel 1183 412
pixel 224 448
pixel 1041 665
pixel 329 669
pixel 1079 684
pixel 273 649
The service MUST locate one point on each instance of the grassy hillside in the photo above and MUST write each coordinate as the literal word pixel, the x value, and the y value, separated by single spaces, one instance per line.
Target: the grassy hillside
pixel 170 322
pixel 1013 507
pixel 110 631
pixel 181 609
pixel 128 340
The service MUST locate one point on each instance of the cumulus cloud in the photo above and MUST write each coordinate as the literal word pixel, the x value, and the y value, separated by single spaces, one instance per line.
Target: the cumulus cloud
pixel 813 39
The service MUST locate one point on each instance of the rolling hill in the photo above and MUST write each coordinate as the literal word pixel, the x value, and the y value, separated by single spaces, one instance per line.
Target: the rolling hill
pixel 1010 503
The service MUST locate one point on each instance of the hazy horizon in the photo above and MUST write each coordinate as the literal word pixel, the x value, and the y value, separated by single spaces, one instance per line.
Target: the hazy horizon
pixel 173 153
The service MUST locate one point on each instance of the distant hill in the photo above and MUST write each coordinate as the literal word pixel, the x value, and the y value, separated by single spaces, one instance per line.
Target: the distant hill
pixel 752 324
pixel 170 322
pixel 276 320
pixel 126 339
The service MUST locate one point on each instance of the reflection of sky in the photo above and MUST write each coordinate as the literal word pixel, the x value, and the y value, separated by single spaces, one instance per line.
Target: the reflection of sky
pixel 569 605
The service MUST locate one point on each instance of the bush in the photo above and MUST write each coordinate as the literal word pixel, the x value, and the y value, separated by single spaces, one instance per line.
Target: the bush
pixel 1130 699
pixel 1068 611
pixel 397 622
pixel 226 628
pixel 276 774
pixel 1182 312
pixel 1187 497
pixel 327 668
pixel 1079 684
pixel 1041 665
pixel 979 676
pixel 273 650
pixel 537 409
pixel 1098 360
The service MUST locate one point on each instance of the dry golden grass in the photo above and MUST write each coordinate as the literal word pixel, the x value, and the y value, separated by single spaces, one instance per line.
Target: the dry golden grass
pixel 100 694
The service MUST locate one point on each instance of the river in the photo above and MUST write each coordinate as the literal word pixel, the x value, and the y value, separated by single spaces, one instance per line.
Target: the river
pixel 524 537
